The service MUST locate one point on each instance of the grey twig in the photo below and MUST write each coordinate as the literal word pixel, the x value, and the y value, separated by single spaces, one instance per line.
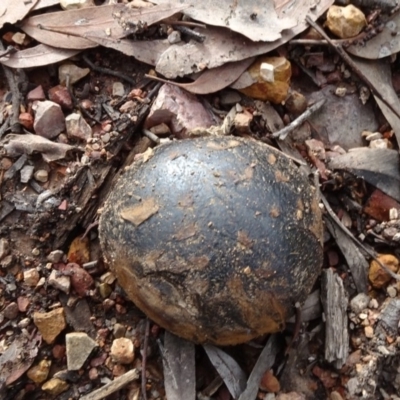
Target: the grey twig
pixel 281 134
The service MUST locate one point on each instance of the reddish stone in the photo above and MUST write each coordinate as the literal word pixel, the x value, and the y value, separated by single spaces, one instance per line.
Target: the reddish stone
pixel 26 120
pixel 49 119
pixel 36 94
pixel 58 351
pixel 60 95
pixel 23 303
pixel 98 361
pixel 379 205
pixel 63 205
pixel 93 374
pixel 120 309
pixel 81 280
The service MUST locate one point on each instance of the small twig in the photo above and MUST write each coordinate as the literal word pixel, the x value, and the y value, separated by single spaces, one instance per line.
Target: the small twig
pixel 108 71
pixel 5 126
pixel 151 136
pixel 154 90
pixel 354 239
pixel 346 58
pixel 297 327
pixel 198 37
pixel 109 388
pixel 189 24
pixel 144 358
pixel 281 134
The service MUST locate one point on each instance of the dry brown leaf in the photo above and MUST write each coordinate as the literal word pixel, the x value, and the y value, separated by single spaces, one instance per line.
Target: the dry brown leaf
pixel 37 56
pixel 384 44
pixel 29 143
pixel 255 19
pixel 141 212
pixel 12 11
pixel 213 80
pixel 222 46
pixel 67 29
pixel 147 52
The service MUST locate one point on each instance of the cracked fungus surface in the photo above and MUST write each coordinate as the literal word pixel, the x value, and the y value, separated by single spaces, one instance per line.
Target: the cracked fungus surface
pixel 215 239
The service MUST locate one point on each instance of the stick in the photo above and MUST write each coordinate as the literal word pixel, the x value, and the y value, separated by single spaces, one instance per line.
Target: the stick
pixel 113 386
pixel 281 134
pixel 347 59
pixel 354 239
pixel 144 358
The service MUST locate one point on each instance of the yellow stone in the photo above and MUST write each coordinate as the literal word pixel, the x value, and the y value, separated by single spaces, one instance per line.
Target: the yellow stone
pixel 55 386
pixel 40 372
pixel 50 324
pixel 276 91
pixel 345 22
pixel 377 275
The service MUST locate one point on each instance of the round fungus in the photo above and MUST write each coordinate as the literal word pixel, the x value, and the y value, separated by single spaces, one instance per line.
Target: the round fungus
pixel 215 239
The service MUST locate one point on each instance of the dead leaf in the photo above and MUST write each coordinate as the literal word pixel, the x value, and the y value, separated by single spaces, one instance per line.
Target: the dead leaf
pixel 213 80
pixel 17 359
pixel 140 212
pixel 144 51
pixel 222 46
pixel 228 369
pixel 15 145
pixel 265 361
pixel 37 56
pixel 179 368
pixel 382 45
pixel 12 11
pixel 379 167
pixel 255 19
pixel 67 29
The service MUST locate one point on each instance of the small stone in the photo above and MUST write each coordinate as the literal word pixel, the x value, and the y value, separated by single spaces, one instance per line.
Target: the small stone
pixel 81 280
pixel 11 311
pixel 36 94
pixel 35 252
pixel 26 173
pixel 363 316
pixel 4 248
pixel 377 275
pixel 7 261
pixel 24 323
pixel 118 89
pixel 122 351
pixel 60 95
pixel 373 304
pixel 50 324
pixel 108 277
pixel 26 120
pixel 71 71
pixel 379 144
pixel 55 386
pixel 41 175
pixel 119 330
pixel 49 119
pixel 359 303
pixel 270 383
pixel 55 256
pixel 105 290
pixel 23 303
pixel 77 127
pixel 316 148
pixel 242 122
pixel 340 91
pixel 345 22
pixel 296 103
pixel 369 332
pixel 58 351
pixel 60 282
pixel 19 38
pixel 267 72
pixel 31 277
pixel 383 350
pixel 391 291
pixel 40 372
pixel 174 37
pixel 105 138
pixel 79 346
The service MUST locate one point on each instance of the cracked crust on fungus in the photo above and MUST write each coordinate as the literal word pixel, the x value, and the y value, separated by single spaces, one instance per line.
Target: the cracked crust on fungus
pixel 215 239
